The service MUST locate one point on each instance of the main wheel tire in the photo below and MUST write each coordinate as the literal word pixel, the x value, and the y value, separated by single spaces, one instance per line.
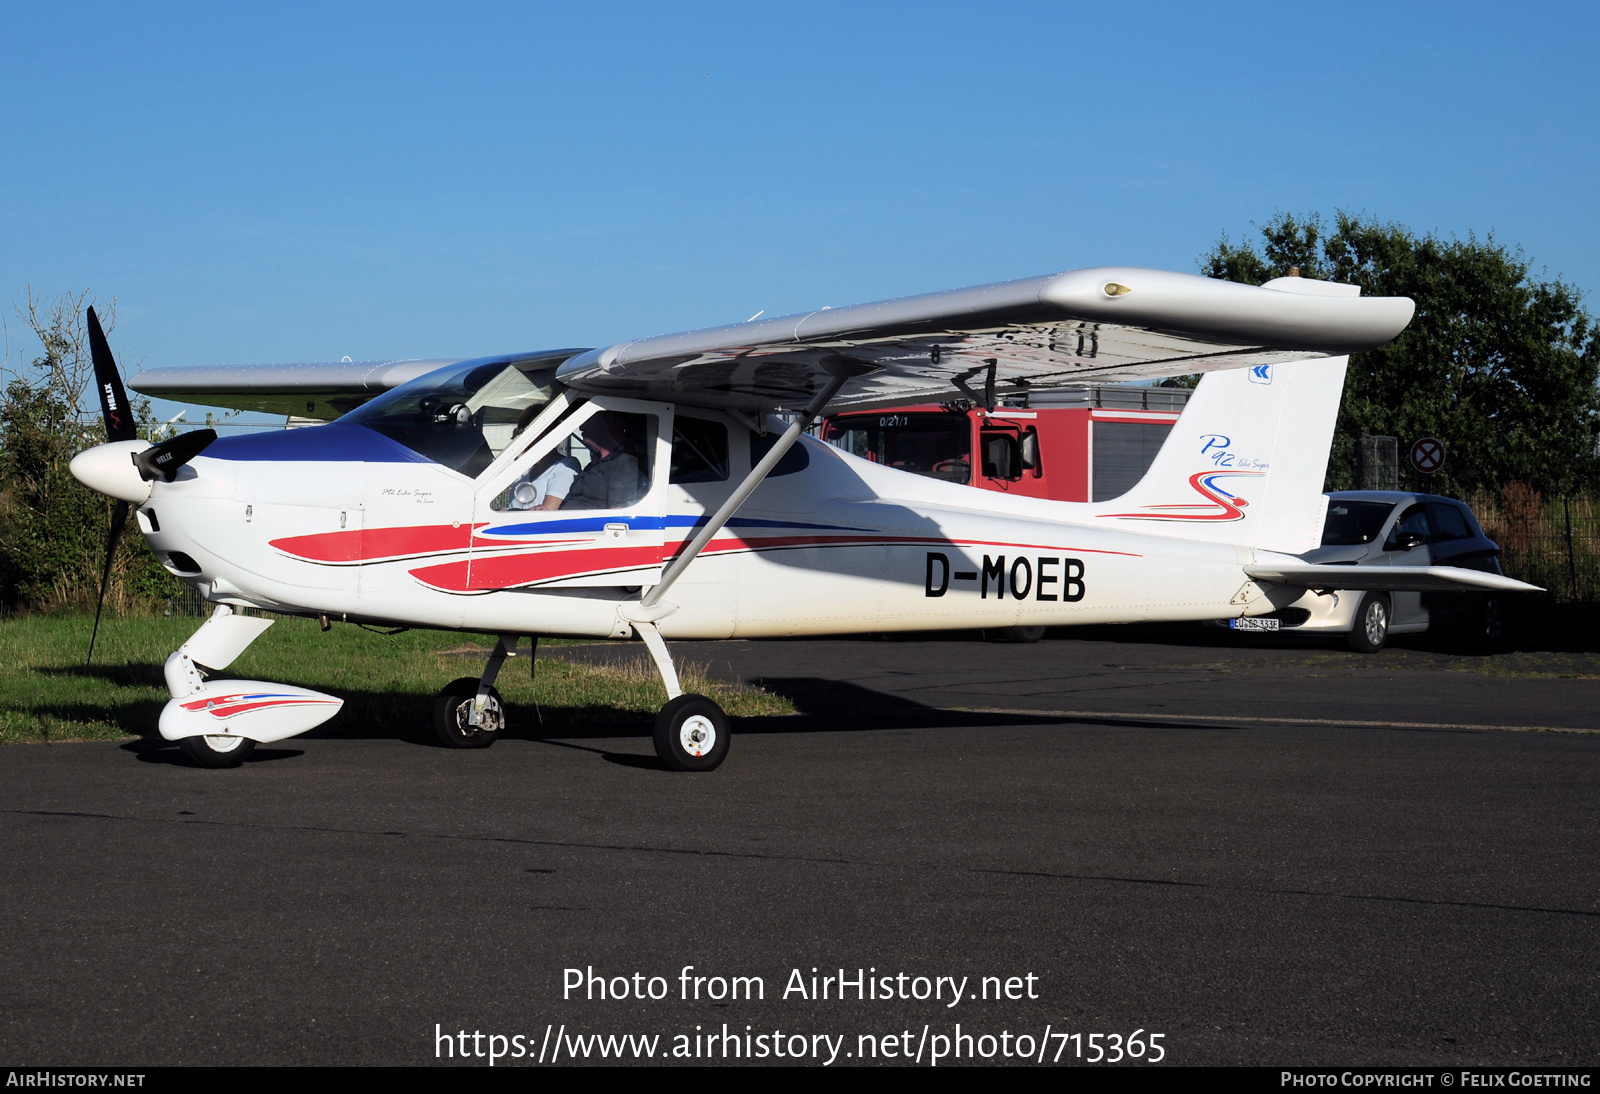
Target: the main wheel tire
pixel 451 708
pixel 692 734
pixel 1371 628
pixel 216 751
pixel 1022 635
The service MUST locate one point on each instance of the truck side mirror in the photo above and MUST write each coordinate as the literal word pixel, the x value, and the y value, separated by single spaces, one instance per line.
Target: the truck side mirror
pixel 1030 452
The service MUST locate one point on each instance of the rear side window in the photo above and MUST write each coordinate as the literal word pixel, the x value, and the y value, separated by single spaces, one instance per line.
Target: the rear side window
pixel 1354 522
pixel 796 459
pixel 699 450
pixel 1449 522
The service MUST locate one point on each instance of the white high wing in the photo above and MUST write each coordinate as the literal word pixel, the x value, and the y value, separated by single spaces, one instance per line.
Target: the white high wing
pixel 687 510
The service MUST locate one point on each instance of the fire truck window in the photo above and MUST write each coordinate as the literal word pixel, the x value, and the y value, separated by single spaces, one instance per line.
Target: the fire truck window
pixel 1001 458
pixel 1123 452
pixel 938 446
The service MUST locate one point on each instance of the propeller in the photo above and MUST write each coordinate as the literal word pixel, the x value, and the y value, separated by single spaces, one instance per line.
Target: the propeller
pixel 163 459
pixel 120 426
pixel 158 461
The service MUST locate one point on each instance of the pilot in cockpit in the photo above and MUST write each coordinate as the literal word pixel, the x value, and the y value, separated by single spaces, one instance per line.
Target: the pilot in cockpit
pixel 612 479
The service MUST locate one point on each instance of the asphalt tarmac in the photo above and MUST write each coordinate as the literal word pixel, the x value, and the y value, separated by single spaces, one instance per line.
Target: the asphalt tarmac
pixel 1266 854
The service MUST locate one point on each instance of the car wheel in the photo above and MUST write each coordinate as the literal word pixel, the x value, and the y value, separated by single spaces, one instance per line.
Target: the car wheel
pixel 453 705
pixel 1490 631
pixel 219 750
pixel 1371 629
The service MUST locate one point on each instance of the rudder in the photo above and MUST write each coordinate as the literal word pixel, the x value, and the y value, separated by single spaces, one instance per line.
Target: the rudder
pixel 1246 461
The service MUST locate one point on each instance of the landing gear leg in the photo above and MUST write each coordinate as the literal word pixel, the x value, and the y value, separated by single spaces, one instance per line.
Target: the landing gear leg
pixel 469 713
pixel 691 731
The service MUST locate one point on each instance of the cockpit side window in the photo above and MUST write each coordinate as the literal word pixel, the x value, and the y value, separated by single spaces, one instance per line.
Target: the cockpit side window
pixel 606 462
pixel 464 416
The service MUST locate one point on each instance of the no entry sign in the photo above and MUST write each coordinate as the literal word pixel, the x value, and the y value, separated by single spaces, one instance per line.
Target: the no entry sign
pixel 1427 455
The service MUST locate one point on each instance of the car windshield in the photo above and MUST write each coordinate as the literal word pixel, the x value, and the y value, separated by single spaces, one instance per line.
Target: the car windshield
pixel 464 416
pixel 936 445
pixel 1354 522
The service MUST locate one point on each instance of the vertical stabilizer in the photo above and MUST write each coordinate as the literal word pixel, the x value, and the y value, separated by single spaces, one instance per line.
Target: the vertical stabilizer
pixel 1245 463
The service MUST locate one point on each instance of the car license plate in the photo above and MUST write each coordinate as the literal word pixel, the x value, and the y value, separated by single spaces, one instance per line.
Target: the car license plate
pixel 1258 624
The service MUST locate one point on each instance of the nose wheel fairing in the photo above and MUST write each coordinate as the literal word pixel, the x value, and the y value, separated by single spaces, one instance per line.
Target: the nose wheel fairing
pixel 252 709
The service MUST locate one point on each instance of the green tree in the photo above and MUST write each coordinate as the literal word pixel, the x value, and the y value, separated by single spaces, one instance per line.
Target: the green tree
pixel 1499 364
pixel 53 528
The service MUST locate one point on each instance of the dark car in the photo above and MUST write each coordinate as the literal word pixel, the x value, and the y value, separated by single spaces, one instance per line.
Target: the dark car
pixel 1390 528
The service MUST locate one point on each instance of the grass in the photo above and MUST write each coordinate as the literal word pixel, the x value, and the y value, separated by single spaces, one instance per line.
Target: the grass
pixel 388 683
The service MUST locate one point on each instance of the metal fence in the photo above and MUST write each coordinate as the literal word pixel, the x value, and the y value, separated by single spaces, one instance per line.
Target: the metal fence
pixel 1363 462
pixel 1550 542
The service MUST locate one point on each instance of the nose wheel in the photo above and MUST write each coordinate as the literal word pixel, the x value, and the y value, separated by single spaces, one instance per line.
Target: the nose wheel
pixel 692 734
pixel 217 751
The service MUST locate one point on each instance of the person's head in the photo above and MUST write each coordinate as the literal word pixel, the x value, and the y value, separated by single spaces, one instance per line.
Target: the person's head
pixel 600 434
pixel 528 415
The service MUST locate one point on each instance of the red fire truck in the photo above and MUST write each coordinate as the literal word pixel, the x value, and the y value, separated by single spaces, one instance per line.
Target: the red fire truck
pixel 1078 444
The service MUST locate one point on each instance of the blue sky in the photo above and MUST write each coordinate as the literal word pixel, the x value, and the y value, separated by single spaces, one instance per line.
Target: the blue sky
pixel 308 182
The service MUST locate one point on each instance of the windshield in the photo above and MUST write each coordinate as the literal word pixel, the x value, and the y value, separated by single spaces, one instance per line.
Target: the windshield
pixel 936 445
pixel 465 415
pixel 1354 522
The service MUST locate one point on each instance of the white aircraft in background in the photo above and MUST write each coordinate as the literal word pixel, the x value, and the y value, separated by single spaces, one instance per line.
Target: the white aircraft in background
pixel 646 489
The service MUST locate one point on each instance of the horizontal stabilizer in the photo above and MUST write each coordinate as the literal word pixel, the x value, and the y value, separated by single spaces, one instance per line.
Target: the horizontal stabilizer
pixel 1421 579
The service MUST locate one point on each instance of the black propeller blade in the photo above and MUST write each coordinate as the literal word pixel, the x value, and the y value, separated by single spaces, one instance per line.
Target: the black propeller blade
pixel 120 426
pixel 119 517
pixel 114 408
pixel 163 460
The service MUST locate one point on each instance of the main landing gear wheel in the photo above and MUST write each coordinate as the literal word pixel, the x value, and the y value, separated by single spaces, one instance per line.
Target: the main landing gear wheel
pixel 217 751
pixel 1372 624
pixel 692 734
pixel 1024 635
pixel 452 707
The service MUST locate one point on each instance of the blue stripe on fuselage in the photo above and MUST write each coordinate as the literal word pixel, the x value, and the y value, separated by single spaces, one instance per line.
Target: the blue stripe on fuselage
pixel 596 524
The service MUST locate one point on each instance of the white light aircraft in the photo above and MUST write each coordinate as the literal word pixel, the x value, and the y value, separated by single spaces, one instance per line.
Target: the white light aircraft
pixel 647 489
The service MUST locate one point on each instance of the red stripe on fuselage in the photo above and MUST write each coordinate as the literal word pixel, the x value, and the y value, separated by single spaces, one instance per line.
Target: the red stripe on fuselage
pixel 387 544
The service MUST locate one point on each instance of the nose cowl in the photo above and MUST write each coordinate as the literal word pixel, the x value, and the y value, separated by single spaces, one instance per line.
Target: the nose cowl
pixel 109 469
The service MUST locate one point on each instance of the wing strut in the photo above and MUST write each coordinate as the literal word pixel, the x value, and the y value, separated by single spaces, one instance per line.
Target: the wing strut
pixel 757 474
